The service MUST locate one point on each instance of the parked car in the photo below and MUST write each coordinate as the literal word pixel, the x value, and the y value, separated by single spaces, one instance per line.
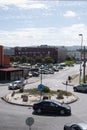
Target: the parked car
pixel 56 69
pixel 30 74
pixel 15 85
pixel 51 106
pixel 75 126
pixel 35 74
pixel 80 88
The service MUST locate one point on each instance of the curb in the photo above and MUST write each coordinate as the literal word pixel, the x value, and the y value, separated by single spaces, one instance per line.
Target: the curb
pixel 18 104
pixel 72 101
pixel 68 84
pixel 4 99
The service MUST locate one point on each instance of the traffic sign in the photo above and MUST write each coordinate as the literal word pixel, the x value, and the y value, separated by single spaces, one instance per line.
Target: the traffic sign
pixel 30 121
pixel 40 87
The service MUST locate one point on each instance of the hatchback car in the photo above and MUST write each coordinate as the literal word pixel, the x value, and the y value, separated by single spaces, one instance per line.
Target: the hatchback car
pixel 75 126
pixel 51 106
pixel 80 87
pixel 15 85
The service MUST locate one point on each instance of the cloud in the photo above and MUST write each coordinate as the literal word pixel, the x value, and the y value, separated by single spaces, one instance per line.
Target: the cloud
pixel 36 6
pixel 4 7
pixel 12 2
pixel 74 29
pixel 50 36
pixel 22 4
pixel 70 13
pixel 71 34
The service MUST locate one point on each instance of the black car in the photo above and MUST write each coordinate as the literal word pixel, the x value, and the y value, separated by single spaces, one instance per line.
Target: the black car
pixel 75 126
pixel 51 106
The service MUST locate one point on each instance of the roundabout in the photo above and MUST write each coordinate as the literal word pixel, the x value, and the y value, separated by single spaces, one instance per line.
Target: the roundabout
pixel 29 100
pixel 13 113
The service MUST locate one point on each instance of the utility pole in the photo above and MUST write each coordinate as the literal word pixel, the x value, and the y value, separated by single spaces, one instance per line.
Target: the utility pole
pixel 81 35
pixel 84 66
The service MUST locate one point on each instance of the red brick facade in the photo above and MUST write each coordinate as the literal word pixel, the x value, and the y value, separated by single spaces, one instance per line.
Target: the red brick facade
pixel 58 54
pixel 6 72
pixel 4 59
pixel 37 51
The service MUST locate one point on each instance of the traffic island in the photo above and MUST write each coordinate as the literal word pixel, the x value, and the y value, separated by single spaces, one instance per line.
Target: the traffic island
pixel 27 99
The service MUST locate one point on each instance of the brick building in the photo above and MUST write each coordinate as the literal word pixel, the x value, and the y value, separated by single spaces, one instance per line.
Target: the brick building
pixel 7 72
pixel 4 59
pixel 56 53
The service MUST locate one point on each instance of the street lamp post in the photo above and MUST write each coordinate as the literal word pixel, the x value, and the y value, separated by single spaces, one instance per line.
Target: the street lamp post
pixel 81 35
pixel 84 65
pixel 41 74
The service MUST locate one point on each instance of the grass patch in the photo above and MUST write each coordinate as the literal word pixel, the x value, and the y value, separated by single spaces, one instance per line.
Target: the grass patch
pixel 63 92
pixel 36 92
pixel 74 76
pixel 69 62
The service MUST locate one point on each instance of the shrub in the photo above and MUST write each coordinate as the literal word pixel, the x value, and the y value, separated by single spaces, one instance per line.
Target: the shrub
pixel 21 89
pixel 13 93
pixel 32 91
pixel 64 92
pixel 46 89
pixel 60 96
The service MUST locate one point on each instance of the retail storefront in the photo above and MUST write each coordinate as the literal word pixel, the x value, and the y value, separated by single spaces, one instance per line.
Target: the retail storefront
pixel 11 74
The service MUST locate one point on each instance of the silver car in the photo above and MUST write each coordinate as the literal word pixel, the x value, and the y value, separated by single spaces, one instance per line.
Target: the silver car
pixel 80 88
pixel 15 85
pixel 75 126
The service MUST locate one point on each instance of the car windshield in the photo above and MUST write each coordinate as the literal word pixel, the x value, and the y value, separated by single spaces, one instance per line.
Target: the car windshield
pixel 16 82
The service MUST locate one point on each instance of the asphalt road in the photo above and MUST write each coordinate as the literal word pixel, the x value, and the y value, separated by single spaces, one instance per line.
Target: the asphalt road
pixel 14 117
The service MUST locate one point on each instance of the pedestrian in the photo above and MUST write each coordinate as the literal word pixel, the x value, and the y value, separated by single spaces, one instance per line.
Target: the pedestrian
pixel 69 79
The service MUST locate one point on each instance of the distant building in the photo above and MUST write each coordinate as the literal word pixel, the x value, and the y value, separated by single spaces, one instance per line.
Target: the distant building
pixel 75 54
pixel 62 53
pixel 8 51
pixel 56 53
pixel 78 54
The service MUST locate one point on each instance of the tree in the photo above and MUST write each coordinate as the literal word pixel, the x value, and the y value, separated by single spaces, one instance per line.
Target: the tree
pixel 12 58
pixel 17 58
pixel 48 59
pixel 30 60
pixel 23 59
pixel 38 59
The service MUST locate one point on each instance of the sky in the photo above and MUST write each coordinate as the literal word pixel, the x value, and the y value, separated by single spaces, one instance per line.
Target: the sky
pixel 43 22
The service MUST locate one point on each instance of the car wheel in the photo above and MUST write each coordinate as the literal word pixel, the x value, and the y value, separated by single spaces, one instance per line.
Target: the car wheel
pixel 62 112
pixel 65 128
pixel 39 111
pixel 75 89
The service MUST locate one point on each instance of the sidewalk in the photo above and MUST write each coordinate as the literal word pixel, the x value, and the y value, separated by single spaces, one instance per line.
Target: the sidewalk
pixel 73 82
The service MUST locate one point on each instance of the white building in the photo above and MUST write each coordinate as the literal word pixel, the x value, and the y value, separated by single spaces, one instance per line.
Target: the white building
pixel 75 54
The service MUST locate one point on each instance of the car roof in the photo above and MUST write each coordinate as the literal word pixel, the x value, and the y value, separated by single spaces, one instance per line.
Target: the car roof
pixel 82 84
pixel 83 125
pixel 18 81
pixel 48 100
